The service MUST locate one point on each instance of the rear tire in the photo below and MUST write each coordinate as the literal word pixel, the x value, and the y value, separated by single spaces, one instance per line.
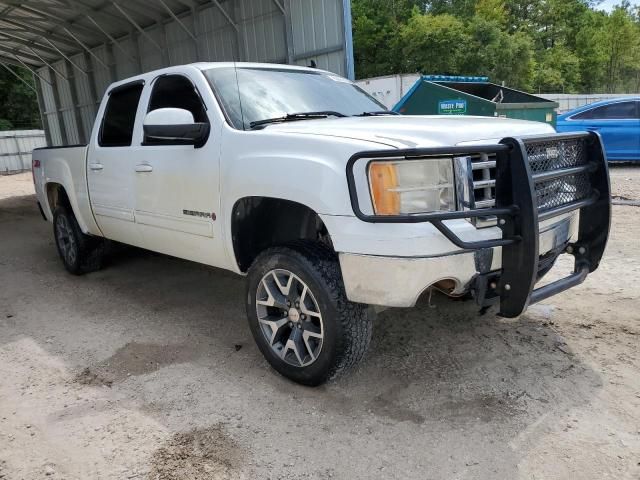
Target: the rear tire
pixel 79 253
pixel 300 316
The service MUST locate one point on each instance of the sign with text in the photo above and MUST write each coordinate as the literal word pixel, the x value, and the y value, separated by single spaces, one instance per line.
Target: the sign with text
pixel 452 107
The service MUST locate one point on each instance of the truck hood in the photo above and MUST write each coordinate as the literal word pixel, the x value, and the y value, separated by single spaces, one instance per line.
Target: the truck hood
pixel 407 131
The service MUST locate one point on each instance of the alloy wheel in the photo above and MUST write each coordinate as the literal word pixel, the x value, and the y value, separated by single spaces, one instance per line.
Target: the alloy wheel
pixel 66 240
pixel 289 317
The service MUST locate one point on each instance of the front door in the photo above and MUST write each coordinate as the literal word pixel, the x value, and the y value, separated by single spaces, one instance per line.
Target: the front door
pixel 177 185
pixel 110 165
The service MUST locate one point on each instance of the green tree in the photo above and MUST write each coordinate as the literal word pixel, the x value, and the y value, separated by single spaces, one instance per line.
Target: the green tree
pixel 18 104
pixel 540 45
pixel 502 56
pixel 558 70
pixel 375 34
pixel 492 11
pixel 434 44
pixel 621 43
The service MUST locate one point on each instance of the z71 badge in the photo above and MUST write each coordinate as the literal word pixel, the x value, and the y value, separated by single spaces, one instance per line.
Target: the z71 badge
pixel 193 213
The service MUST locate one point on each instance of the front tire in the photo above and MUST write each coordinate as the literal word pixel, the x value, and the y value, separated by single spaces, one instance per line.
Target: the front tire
pixel 300 316
pixel 79 253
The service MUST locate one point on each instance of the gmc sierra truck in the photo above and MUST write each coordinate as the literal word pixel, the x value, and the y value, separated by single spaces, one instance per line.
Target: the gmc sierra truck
pixel 327 202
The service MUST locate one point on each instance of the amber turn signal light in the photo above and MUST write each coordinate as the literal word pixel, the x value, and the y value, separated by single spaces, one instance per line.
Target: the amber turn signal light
pixel 383 180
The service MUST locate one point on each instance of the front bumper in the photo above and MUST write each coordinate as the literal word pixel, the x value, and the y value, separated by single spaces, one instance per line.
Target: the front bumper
pixel 399 281
pixel 525 167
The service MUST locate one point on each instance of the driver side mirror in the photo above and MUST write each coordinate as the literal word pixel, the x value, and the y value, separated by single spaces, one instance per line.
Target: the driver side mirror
pixel 174 126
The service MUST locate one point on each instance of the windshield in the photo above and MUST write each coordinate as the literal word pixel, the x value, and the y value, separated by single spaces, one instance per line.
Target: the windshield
pixel 259 94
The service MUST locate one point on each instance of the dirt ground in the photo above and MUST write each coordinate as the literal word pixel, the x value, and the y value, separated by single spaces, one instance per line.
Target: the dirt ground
pixel 147 370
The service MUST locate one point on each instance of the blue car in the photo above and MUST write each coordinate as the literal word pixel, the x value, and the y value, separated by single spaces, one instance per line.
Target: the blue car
pixel 618 121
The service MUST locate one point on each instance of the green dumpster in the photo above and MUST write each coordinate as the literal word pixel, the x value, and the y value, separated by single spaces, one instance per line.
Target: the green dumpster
pixel 446 95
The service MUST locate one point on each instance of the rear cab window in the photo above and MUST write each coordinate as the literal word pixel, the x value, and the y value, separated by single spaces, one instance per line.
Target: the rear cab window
pixel 120 116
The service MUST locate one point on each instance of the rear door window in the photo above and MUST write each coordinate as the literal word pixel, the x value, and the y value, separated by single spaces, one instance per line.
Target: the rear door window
pixel 120 116
pixel 614 111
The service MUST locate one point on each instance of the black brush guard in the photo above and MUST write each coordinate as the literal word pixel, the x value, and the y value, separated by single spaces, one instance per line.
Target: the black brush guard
pixel 577 160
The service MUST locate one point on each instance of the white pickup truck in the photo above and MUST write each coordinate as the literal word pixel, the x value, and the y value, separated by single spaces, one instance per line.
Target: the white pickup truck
pixel 329 203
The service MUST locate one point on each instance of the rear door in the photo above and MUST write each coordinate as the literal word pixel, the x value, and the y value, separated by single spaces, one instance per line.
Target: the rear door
pixel 619 125
pixel 176 185
pixel 109 164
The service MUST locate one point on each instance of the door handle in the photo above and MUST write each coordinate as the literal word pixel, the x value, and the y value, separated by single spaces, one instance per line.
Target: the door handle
pixel 96 166
pixel 593 129
pixel 144 168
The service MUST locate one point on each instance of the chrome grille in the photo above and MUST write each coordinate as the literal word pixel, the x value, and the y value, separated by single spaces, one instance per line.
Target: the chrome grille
pixel 483 168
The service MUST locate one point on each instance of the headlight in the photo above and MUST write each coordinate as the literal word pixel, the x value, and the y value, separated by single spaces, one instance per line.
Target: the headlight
pixel 412 186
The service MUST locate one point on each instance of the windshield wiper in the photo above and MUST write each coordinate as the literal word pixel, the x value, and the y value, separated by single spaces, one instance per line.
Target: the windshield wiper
pixel 291 117
pixel 377 113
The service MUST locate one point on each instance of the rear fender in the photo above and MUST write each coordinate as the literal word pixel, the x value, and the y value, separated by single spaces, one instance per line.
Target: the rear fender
pixel 58 172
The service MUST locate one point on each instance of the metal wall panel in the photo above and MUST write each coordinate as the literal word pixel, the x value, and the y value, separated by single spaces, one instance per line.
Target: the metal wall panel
pixel 126 57
pixel 82 79
pixel 151 50
pixel 16 147
pixel 262 29
pixel 50 113
pixel 102 75
pixel 67 105
pixel 274 31
pixel 219 38
pixel 318 33
pixel 180 46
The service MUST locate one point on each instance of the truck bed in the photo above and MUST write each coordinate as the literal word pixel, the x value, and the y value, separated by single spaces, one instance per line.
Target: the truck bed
pixel 66 166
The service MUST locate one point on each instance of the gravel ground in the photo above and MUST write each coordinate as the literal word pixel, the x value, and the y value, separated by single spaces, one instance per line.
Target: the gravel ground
pixel 147 370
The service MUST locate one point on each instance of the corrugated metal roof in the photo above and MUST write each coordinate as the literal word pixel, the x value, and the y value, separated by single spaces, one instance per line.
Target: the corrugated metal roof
pixel 37 32
pixel 76 48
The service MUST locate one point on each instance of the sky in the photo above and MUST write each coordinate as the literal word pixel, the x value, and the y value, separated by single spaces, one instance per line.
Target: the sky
pixel 609 4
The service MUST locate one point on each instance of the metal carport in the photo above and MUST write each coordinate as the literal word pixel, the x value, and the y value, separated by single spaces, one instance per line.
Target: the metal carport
pixel 76 48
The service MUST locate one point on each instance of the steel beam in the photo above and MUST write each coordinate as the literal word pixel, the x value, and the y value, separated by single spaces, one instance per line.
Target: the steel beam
pixel 111 38
pixel 88 10
pixel 73 64
pixel 147 9
pixel 191 4
pixel 142 31
pixel 226 15
pixel 24 56
pixel 348 40
pixel 43 119
pixel 288 32
pixel 243 52
pixel 58 111
pixel 280 6
pixel 55 70
pixel 45 14
pixel 31 69
pixel 87 49
pixel 178 21
pixel 25 41
pixel 34 29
